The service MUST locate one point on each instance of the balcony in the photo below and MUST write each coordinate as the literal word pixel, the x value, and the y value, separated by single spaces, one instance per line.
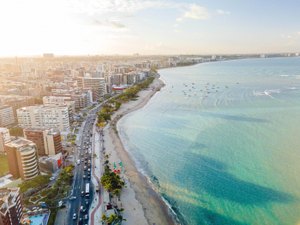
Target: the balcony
pixel 30 170
pixel 31 175
pixel 29 165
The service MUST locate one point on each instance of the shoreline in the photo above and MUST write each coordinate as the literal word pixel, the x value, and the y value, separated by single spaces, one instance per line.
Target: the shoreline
pixel 155 209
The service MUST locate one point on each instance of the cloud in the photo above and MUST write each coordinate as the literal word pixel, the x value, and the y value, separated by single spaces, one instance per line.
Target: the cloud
pixel 195 12
pixel 222 12
pixel 109 23
pixel 125 7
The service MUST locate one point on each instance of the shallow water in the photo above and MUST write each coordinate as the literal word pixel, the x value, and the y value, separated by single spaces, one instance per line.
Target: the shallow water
pixel 221 141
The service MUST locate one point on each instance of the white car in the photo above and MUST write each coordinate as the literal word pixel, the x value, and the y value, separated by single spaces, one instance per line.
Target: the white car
pixel 74 216
pixel 72 197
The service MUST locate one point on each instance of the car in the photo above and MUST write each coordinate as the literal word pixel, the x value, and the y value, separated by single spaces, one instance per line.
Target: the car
pixel 86 217
pixel 60 203
pixel 82 193
pixel 72 198
pixel 74 216
pixel 82 209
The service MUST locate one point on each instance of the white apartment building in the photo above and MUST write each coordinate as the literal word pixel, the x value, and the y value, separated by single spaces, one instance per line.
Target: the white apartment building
pixel 60 101
pixel 44 117
pixel 6 116
pixel 4 138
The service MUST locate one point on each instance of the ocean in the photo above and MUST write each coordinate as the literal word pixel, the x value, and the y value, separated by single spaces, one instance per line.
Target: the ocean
pixel 221 141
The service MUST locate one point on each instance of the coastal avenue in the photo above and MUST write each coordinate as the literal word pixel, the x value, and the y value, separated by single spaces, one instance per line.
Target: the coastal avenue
pixel 79 202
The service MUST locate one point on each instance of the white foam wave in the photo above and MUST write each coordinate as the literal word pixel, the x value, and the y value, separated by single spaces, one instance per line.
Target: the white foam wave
pixel 267 92
pixel 284 75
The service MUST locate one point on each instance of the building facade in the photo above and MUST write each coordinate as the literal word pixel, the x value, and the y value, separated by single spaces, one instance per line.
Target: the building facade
pixel 51 163
pixel 44 117
pixel 96 85
pixel 24 155
pixel 6 116
pixel 4 138
pixel 48 142
pixel 60 101
pixel 11 210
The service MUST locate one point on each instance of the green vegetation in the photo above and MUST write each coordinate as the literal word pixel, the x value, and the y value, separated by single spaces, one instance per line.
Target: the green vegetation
pixel 112 219
pixel 153 70
pixel 112 182
pixel 58 191
pixel 16 131
pixel 3 165
pixel 50 195
pixel 35 183
pixel 115 103
pixel 52 217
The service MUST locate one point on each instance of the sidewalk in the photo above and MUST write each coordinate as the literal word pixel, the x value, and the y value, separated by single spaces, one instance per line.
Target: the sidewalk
pixel 96 209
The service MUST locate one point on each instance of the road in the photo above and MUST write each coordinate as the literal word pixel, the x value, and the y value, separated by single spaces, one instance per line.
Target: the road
pixel 82 175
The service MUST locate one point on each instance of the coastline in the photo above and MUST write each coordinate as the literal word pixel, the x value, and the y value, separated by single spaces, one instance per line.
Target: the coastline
pixel 154 209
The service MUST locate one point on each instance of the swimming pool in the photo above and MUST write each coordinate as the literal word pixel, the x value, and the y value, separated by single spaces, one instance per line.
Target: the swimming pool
pixel 40 219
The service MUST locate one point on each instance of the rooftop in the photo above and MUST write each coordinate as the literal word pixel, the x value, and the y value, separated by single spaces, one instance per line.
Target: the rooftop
pixel 51 131
pixel 3 129
pixel 41 107
pixel 19 142
pixel 4 106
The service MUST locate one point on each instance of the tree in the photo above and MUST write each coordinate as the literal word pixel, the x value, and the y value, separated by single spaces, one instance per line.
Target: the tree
pixel 112 218
pixel 112 182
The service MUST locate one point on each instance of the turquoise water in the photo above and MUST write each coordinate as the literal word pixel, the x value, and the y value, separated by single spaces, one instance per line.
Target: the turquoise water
pixel 39 219
pixel 221 141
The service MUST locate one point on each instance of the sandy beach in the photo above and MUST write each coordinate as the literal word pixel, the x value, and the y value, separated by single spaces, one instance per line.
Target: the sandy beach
pixel 141 203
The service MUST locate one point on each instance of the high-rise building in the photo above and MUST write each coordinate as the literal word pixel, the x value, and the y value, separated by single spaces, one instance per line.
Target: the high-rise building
pixel 48 142
pixel 61 101
pixel 44 117
pixel 6 116
pixel 11 209
pixel 22 158
pixel 96 85
pixel 83 99
pixel 4 138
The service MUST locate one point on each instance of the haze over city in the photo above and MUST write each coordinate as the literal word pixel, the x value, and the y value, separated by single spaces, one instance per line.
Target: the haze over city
pixel 81 27
pixel 149 112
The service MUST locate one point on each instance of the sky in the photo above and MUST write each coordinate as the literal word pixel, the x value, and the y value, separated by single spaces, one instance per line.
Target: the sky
pixel 101 27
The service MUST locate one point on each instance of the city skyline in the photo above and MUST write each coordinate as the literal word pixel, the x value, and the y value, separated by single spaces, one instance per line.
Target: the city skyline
pixel 147 27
